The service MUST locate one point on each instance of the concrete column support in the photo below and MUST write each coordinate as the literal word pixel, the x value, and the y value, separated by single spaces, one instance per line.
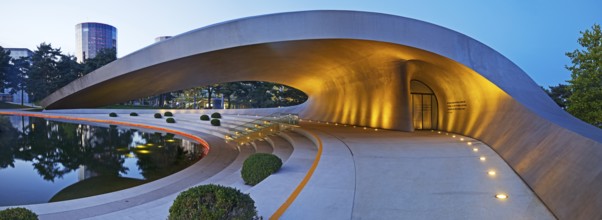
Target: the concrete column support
pixel 404 121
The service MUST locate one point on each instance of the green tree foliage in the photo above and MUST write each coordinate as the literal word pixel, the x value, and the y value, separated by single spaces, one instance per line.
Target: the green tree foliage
pixel 259 166
pixel 49 70
pixel 18 75
pixel 18 214
pixel 4 66
pixel 586 78
pixel 103 57
pixel 43 72
pixel 212 202
pixel 560 94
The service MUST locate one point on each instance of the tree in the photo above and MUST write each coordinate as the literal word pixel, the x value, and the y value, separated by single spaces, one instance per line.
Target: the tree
pixel 586 77
pixel 68 70
pixel 103 57
pixel 560 94
pixel 4 66
pixel 18 75
pixel 43 71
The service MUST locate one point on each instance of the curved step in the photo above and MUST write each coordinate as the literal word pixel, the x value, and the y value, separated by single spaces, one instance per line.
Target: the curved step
pixel 282 148
pixel 263 146
pixel 271 193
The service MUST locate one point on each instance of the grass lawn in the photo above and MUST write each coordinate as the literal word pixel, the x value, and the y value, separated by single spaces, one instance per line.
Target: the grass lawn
pixel 95 186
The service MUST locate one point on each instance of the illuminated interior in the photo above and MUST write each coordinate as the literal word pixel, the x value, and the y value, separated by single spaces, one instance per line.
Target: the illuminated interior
pixel 360 74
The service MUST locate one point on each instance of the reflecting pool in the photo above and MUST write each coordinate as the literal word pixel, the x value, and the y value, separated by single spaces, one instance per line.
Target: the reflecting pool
pixel 43 161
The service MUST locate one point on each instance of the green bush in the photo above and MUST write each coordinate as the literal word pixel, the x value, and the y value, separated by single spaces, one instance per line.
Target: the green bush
pixel 112 114
pixel 216 115
pixel 205 117
pixel 215 122
pixel 212 202
pixel 168 114
pixel 158 115
pixel 258 167
pixel 170 120
pixel 18 214
pixel 133 114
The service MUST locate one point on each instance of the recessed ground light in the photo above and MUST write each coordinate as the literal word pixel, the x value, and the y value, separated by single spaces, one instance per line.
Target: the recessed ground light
pixel 326 122
pixel 376 129
pixel 354 126
pixel 491 173
pixel 475 149
pixel 446 133
pixel 482 158
pixel 501 196
pixel 365 128
pixel 469 143
pixel 461 139
pixel 454 136
pixel 438 132
pixel 336 124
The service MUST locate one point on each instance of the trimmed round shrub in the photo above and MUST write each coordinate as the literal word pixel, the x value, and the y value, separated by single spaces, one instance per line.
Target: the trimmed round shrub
pixel 205 117
pixel 259 166
pixel 170 120
pixel 168 114
pixel 215 122
pixel 112 114
pixel 216 115
pixel 158 115
pixel 212 202
pixel 133 114
pixel 18 214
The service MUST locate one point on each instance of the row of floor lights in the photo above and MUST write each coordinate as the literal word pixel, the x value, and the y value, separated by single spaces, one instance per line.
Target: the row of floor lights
pixel 491 172
pixel 337 124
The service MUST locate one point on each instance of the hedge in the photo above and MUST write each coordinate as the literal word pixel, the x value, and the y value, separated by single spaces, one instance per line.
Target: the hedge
pixel 215 122
pixel 212 202
pixel 216 115
pixel 18 214
pixel 205 117
pixel 168 114
pixel 133 114
pixel 259 166
pixel 158 115
pixel 170 120
pixel 112 114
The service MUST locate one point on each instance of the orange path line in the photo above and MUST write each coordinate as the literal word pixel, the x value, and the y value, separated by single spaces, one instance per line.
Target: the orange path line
pixel 302 184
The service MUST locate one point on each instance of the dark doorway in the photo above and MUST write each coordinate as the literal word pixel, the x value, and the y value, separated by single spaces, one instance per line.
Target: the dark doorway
pixel 424 106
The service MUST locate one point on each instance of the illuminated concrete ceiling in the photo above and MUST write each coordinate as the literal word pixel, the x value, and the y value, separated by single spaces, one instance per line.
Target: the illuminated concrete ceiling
pixel 356 68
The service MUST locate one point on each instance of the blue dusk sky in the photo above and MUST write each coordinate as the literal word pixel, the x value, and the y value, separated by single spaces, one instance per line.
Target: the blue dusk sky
pixel 534 34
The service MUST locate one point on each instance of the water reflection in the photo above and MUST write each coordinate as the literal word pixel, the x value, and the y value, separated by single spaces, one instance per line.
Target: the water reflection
pixel 55 150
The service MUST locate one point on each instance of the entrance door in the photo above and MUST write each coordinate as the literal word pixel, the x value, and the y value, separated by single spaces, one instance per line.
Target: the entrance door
pixel 424 107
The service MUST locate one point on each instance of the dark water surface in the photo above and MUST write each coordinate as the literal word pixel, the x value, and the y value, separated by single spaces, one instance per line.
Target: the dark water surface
pixel 40 158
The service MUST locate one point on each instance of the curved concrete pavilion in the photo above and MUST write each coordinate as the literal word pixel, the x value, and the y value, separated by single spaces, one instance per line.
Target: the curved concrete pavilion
pixel 369 69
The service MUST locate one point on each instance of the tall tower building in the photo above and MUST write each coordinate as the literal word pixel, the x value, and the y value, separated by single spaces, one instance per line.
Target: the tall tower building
pixel 92 37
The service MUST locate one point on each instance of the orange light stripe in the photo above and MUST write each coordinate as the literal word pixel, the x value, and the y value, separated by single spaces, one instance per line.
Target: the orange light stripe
pixel 302 184
pixel 183 134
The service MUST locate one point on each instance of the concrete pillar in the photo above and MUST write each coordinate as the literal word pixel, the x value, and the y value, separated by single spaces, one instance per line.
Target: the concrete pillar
pixel 405 122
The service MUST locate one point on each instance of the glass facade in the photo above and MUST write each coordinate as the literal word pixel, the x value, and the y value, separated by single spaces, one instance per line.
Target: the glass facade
pixel 424 106
pixel 93 37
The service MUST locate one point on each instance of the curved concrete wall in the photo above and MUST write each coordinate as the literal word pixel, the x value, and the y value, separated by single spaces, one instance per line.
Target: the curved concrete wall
pixel 356 68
